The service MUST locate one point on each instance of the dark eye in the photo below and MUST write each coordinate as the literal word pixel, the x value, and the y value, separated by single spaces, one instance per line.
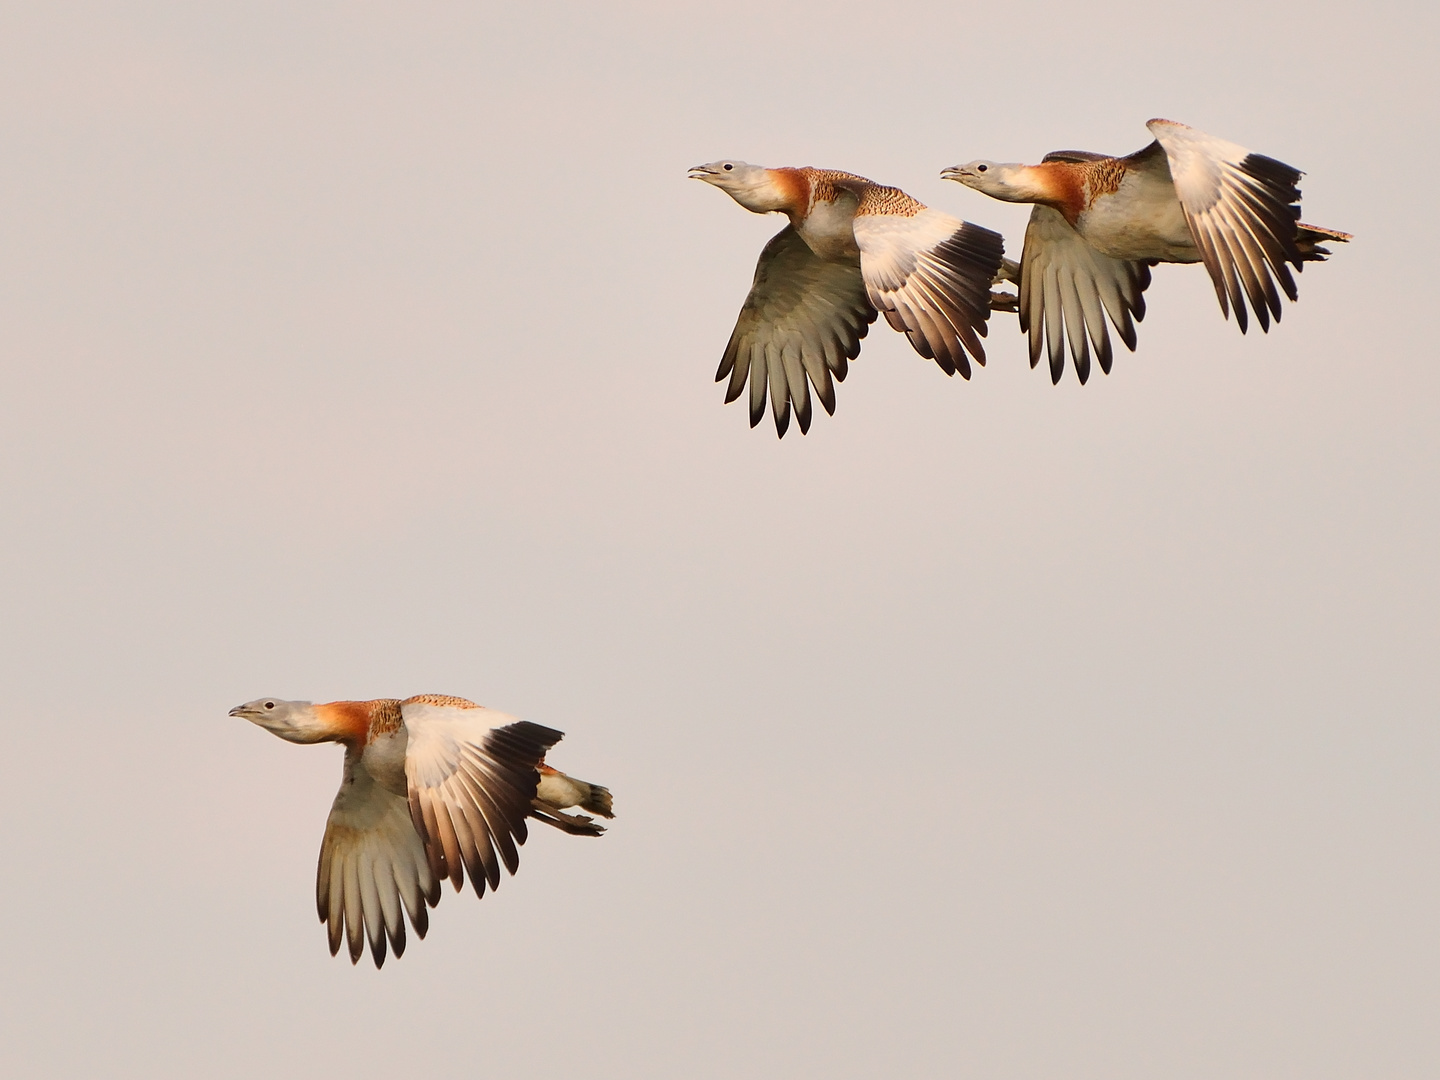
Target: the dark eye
pixel 728 166
pixel 269 704
pixel 981 168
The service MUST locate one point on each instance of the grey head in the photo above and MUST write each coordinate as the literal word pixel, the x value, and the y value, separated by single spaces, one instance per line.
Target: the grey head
pixel 999 180
pixel 752 186
pixel 293 721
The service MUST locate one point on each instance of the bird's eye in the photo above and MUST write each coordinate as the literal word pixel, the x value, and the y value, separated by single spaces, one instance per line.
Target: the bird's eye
pixel 269 704
pixel 728 166
pixel 981 168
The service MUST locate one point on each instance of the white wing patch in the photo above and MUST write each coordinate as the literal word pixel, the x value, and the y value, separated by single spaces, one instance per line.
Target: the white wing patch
pixel 930 274
pixel 1242 210
pixel 472 775
pixel 1066 290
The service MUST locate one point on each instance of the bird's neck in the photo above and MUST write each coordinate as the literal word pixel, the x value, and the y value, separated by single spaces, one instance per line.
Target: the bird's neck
pixel 1027 184
pixel 1057 184
pixel 355 722
pixel 784 190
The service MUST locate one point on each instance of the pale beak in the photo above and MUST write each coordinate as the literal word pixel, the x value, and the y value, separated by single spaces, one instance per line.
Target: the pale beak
pixel 955 172
pixel 700 172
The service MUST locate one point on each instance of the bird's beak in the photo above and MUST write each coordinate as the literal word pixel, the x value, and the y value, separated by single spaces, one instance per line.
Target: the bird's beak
pixel 956 173
pixel 700 172
pixel 240 711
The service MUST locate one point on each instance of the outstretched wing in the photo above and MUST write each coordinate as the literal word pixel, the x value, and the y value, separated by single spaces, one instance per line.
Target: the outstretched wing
pixel 472 774
pixel 930 274
pixel 804 317
pixel 1242 210
pixel 371 861
pixel 1066 290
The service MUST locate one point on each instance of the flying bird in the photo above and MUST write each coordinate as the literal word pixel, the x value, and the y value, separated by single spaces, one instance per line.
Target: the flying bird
pixel 853 248
pixel 1100 223
pixel 434 787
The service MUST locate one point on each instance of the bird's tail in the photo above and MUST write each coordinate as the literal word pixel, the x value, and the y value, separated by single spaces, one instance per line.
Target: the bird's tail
pixel 1308 239
pixel 557 792
pixel 597 800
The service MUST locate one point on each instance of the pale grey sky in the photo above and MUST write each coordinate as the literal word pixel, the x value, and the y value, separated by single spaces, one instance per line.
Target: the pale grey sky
pixel 994 729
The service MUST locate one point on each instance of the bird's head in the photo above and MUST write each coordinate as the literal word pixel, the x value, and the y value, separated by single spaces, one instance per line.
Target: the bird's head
pixel 752 186
pixel 293 721
pixel 1000 181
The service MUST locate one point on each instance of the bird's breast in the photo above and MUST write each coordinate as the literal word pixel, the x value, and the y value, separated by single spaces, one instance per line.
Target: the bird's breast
pixel 1141 219
pixel 829 230
pixel 384 758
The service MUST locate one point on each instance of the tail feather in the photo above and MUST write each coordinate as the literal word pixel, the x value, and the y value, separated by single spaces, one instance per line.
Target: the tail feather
pixel 561 791
pixel 557 792
pixel 598 801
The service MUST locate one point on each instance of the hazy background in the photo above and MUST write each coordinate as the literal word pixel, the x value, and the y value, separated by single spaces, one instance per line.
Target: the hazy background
pixel 991 730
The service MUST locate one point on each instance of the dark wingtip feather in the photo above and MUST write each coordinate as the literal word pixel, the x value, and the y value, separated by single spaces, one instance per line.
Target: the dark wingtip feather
pixel 1104 354
pixel 826 394
pixel 1271 171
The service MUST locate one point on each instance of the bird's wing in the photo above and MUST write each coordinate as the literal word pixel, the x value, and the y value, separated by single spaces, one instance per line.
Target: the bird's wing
pixel 804 316
pixel 471 773
pixel 372 861
pixel 1066 290
pixel 1075 156
pixel 930 274
pixel 1242 209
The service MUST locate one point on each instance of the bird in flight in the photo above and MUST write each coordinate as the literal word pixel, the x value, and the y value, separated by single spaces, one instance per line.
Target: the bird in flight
pixel 434 786
pixel 853 248
pixel 1100 223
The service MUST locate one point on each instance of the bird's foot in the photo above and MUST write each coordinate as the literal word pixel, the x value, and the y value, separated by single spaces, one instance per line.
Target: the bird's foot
pixel 1009 271
pixel 574 824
